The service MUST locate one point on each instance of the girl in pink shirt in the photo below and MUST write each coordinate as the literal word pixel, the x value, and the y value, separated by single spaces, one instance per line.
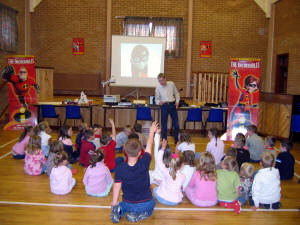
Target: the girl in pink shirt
pixel 169 191
pixel 18 150
pixel 215 145
pixel 61 180
pixel 34 157
pixel 97 178
pixel 202 188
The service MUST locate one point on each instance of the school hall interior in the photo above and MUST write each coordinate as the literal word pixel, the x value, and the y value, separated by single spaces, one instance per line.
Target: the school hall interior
pixel 268 30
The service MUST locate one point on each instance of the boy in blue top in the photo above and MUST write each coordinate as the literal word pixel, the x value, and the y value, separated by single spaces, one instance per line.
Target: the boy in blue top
pixel 285 161
pixel 133 178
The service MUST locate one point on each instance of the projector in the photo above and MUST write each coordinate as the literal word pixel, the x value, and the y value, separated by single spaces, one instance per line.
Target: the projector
pixel 111 99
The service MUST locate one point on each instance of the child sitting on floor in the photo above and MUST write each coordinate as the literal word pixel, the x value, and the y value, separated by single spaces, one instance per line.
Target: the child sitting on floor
pixel 97 178
pixel 246 178
pixel 270 145
pixel 188 168
pixel 43 130
pixel 201 190
pixel 18 150
pixel 97 135
pixel 86 146
pixel 122 137
pixel 184 144
pixel 169 191
pixel 228 183
pixel 133 178
pixel 215 145
pixel 65 134
pixel 55 147
pixel 285 161
pixel 61 180
pixel 137 128
pixel 34 157
pixel 254 143
pixel 80 136
pixel 266 184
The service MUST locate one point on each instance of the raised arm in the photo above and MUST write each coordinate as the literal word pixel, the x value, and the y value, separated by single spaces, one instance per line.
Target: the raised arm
pixel 113 129
pixel 156 142
pixel 153 129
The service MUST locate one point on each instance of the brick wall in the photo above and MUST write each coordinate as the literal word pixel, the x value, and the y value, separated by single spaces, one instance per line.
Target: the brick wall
pixel 287 40
pixel 18 5
pixel 232 25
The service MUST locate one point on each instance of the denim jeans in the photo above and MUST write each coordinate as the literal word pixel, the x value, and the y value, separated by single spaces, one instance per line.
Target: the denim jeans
pixel 161 200
pixel 46 149
pixel 167 109
pixel 18 156
pixel 141 207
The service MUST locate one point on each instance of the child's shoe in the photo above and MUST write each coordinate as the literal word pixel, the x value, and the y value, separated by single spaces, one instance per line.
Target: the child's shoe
pixel 135 217
pixel 237 207
pixel 115 214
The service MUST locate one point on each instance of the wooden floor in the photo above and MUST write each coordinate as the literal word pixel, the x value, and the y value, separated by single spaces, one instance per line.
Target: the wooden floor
pixel 27 199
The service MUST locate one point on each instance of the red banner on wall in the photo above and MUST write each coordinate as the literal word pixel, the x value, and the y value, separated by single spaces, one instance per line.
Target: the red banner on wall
pixel 243 95
pixel 78 46
pixel 20 74
pixel 205 48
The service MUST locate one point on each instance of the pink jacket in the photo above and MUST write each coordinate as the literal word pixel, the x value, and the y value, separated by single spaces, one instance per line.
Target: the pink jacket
pixel 169 189
pixel 61 180
pixel 97 179
pixel 33 164
pixel 19 147
pixel 201 189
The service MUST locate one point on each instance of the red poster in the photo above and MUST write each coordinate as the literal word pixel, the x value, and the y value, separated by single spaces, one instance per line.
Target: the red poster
pixel 20 74
pixel 243 95
pixel 205 48
pixel 78 46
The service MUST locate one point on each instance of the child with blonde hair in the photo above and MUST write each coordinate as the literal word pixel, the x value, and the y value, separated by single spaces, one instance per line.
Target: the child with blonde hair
pixel 228 183
pixel 215 145
pixel 169 191
pixel 266 184
pixel 61 180
pixel 18 150
pixel 201 189
pixel 97 178
pixel 43 130
pixel 246 178
pixel 34 157
pixel 55 147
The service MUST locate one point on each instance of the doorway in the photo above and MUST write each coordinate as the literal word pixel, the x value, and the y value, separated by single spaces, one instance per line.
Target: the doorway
pixel 282 65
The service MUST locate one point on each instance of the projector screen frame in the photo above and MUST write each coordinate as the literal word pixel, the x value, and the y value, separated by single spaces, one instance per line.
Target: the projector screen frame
pixel 122 73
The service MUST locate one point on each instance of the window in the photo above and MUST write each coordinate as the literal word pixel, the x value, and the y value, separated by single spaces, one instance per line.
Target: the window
pixel 9 29
pixel 171 28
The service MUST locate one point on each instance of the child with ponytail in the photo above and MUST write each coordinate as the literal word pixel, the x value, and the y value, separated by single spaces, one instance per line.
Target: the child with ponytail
pixel 215 145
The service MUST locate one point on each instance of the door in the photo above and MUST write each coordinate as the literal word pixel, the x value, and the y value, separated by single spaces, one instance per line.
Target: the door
pixel 282 64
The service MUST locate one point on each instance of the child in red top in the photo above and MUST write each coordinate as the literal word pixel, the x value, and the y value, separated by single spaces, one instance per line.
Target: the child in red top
pixel 86 146
pixel 108 147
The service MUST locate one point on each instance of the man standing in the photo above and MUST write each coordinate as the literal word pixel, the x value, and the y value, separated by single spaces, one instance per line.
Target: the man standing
pixel 167 96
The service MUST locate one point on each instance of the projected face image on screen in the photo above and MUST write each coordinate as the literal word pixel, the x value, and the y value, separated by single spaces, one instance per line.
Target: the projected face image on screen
pixel 140 60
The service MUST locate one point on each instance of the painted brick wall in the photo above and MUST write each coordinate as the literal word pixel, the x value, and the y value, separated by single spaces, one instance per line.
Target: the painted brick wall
pixel 287 40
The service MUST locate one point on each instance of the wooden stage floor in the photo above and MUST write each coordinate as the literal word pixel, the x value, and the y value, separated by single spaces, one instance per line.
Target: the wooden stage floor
pixel 27 199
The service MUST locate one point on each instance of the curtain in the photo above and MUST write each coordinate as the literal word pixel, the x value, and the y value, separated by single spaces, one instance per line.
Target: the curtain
pixel 8 29
pixel 171 28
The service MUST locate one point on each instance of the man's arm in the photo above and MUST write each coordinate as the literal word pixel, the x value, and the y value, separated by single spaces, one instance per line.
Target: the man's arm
pixel 176 94
pixel 157 97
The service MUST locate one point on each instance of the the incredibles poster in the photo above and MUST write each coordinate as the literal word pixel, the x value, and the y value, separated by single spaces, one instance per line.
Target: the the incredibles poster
pixel 78 46
pixel 20 74
pixel 205 49
pixel 243 95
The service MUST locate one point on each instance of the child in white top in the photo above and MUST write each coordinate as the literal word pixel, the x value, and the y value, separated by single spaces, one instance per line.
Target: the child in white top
pixel 156 175
pixel 266 184
pixel 137 128
pixel 189 166
pixel 61 180
pixel 169 192
pixel 43 130
pixel 122 138
pixel 97 178
pixel 18 150
pixel 184 144
pixel 215 145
